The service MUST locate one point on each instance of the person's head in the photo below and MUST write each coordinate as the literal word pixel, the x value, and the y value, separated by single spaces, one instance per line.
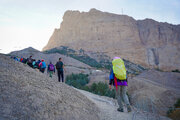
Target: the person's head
pixel 30 56
pixel 60 59
pixel 50 62
pixel 42 60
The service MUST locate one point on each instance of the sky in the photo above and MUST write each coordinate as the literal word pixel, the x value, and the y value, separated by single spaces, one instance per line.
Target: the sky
pixel 25 23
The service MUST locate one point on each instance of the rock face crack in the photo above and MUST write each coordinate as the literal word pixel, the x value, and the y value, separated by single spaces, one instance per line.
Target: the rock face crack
pixel 153 57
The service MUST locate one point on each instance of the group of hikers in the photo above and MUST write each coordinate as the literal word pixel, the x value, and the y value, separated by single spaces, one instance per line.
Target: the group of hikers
pixel 117 77
pixel 41 65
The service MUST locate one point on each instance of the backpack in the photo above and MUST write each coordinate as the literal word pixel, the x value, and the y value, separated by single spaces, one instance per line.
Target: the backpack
pixel 119 69
pixel 59 65
pixel 43 65
pixel 29 60
pixel 51 67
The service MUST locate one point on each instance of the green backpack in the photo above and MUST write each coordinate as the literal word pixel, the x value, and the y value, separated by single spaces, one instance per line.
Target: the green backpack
pixel 119 69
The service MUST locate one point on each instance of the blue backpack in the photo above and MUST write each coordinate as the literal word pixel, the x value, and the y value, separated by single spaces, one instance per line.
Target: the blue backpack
pixel 43 65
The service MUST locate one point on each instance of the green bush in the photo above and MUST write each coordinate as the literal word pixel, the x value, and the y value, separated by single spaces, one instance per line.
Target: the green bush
pixel 80 80
pixel 102 89
pixel 77 80
pixel 176 71
pixel 174 112
pixel 177 104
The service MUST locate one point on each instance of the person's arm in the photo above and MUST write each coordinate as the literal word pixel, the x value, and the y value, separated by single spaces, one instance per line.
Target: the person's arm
pixel 111 78
pixel 48 69
pixel 64 68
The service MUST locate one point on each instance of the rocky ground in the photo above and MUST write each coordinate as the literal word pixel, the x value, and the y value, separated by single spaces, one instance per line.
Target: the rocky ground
pixel 28 94
pixel 108 109
pixel 155 91
pixel 152 91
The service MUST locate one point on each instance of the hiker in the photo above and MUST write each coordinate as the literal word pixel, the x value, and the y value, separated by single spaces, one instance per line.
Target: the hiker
pixel 24 60
pixel 34 64
pixel 21 59
pixel 118 78
pixel 37 64
pixel 16 59
pixel 29 61
pixel 50 69
pixel 60 69
pixel 42 66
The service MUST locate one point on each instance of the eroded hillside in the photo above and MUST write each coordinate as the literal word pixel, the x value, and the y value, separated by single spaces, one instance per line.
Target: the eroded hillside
pixel 28 94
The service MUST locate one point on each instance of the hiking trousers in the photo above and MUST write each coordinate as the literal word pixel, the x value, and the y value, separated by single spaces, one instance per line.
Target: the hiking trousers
pixel 60 76
pixel 42 70
pixel 122 96
pixel 50 73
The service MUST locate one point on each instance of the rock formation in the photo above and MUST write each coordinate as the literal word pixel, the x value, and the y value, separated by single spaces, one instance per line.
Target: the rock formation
pixel 145 42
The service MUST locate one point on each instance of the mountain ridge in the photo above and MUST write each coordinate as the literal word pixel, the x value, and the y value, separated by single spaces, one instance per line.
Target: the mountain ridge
pixel 146 42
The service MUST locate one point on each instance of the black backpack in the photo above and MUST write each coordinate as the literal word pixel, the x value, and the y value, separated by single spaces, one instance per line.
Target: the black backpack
pixel 58 65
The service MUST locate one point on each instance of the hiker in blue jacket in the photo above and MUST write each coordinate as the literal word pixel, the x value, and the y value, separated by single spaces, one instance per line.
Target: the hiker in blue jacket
pixel 50 69
pixel 42 66
pixel 121 89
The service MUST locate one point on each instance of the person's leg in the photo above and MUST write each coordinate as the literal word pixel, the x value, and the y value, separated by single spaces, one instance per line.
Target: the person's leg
pixel 119 99
pixel 50 73
pixel 125 98
pixel 62 76
pixel 58 75
pixel 43 69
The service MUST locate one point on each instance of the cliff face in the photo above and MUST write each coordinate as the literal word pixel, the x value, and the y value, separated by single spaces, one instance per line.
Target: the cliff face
pixel 145 42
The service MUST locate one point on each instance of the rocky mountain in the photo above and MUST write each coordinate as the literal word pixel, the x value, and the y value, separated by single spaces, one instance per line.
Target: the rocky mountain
pixel 146 42
pixel 28 94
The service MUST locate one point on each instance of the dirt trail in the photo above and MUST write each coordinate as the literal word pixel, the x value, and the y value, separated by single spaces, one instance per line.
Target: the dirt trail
pixel 108 109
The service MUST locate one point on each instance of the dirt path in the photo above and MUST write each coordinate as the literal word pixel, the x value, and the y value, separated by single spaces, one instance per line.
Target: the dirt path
pixel 108 109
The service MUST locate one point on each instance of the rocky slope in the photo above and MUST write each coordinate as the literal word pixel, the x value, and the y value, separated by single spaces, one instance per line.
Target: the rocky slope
pixel 28 94
pixel 148 90
pixel 154 91
pixel 145 42
pixel 71 65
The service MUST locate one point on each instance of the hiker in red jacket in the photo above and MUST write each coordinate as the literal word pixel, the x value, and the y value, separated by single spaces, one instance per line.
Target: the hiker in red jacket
pixel 121 89
pixel 42 66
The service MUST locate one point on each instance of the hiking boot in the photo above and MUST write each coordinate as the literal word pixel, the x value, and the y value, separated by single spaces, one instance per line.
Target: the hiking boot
pixel 120 110
pixel 129 108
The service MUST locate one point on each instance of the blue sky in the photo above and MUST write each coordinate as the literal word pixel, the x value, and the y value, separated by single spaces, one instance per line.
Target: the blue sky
pixel 25 23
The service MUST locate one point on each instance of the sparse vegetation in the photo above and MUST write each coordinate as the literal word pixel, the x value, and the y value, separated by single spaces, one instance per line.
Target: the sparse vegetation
pixel 174 112
pixel 104 60
pixel 101 89
pixel 77 80
pixel 83 58
pixel 176 71
pixel 80 80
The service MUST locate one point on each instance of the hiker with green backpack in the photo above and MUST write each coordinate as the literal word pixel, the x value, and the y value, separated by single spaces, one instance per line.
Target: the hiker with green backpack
pixel 118 78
